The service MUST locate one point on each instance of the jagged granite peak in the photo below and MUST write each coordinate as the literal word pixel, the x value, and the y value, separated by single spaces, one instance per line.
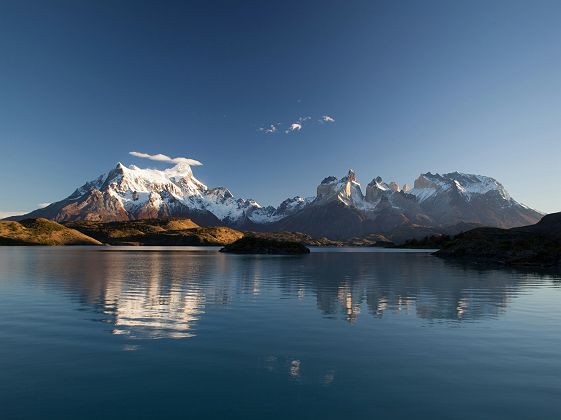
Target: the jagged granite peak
pixel 436 201
pixel 394 186
pixel 346 190
pixel 376 189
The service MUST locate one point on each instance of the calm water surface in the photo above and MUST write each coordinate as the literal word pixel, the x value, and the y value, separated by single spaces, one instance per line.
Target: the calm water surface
pixel 105 333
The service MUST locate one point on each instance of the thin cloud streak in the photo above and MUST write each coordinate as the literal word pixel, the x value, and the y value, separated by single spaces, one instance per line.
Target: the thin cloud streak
pixel 271 129
pixel 295 126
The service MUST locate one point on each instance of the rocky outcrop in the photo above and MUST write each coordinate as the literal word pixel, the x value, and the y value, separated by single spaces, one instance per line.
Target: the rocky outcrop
pixel 260 245
pixel 394 186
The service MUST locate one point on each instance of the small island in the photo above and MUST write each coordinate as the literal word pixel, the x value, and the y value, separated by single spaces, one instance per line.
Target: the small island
pixel 259 245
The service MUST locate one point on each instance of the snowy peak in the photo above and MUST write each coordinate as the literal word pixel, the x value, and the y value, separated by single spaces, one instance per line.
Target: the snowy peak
pixel 291 205
pixel 125 193
pixel 467 185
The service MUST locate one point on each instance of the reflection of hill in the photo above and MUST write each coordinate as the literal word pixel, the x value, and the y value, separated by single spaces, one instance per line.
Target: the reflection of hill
pixel 153 294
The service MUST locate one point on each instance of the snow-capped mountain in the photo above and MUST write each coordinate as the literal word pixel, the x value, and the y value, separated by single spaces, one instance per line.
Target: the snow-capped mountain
pixel 126 193
pixel 339 209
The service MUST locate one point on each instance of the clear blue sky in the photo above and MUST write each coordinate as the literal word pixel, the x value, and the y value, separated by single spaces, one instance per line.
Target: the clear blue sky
pixel 413 86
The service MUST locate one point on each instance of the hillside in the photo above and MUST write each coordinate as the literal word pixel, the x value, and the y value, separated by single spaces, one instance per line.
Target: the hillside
pixel 156 232
pixel 41 232
pixel 538 244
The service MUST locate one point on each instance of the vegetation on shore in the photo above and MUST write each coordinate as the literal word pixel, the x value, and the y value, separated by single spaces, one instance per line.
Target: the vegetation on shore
pixel 41 232
pixel 162 232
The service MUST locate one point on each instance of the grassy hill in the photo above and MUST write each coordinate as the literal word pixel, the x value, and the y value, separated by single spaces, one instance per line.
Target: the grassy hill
pixel 41 232
pixel 156 232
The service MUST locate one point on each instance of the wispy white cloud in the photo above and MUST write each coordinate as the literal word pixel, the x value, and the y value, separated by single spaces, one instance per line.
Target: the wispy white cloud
pixel 164 158
pixel 294 127
pixel 298 125
pixel 43 205
pixel 271 129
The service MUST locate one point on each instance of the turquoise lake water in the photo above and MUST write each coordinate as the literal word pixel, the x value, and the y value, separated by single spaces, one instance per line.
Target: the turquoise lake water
pixel 134 333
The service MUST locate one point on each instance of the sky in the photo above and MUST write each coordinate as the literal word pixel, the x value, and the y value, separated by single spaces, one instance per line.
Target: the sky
pixel 273 96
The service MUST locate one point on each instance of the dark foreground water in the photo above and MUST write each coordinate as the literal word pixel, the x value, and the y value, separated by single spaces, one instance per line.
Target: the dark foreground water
pixel 106 333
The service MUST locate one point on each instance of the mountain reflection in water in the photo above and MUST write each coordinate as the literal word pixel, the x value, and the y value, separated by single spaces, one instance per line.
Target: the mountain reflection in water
pixel 165 293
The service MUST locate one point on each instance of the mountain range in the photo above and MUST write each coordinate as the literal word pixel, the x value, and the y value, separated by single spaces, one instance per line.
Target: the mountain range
pixel 340 208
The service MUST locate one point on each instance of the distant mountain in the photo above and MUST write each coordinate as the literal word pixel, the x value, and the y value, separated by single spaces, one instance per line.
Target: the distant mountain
pixel 339 210
pixel 449 202
pixel 134 193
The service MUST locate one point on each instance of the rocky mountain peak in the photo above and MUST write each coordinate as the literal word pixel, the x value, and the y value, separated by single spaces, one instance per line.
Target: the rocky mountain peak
pixel 329 180
pixel 394 186
pixel 424 181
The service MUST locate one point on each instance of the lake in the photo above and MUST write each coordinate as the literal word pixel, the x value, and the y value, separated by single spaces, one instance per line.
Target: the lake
pixel 101 333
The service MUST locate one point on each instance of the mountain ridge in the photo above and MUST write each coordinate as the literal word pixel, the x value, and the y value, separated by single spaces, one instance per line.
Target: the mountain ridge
pixel 339 209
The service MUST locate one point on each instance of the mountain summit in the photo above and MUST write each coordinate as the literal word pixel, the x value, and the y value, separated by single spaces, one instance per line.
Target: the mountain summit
pixel 129 193
pixel 339 209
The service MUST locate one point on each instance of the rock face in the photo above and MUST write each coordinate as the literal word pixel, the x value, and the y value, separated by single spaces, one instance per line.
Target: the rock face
pixel 260 245
pixel 538 244
pixel 340 209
